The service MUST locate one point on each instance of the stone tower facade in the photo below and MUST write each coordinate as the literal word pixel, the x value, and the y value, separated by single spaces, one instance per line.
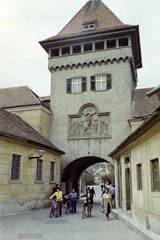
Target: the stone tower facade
pixel 93 63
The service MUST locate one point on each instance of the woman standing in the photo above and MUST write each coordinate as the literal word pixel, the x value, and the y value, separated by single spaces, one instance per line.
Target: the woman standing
pixel 89 200
pixel 107 203
pixel 58 195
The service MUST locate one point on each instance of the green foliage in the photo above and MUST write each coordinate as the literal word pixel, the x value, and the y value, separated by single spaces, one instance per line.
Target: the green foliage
pixel 88 178
pixel 109 177
pixel 97 165
pixel 110 168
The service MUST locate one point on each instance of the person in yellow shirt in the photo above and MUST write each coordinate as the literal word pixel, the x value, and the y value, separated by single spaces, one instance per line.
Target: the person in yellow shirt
pixel 59 199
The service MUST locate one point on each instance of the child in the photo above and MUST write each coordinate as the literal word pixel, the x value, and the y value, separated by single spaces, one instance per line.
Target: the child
pixel 53 207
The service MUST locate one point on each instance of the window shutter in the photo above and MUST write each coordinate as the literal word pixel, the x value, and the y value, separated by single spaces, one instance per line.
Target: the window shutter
pixel 109 81
pixel 92 83
pixel 84 84
pixel 69 85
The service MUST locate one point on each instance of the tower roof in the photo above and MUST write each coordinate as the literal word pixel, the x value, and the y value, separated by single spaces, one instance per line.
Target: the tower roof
pixel 103 21
pixel 93 11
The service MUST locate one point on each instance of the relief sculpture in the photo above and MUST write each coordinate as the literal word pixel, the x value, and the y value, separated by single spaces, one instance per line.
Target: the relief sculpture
pixel 89 124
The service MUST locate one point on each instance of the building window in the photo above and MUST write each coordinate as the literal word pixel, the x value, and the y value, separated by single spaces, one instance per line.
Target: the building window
pixel 155 175
pixel 101 82
pixel 65 50
pixel 111 43
pixel 119 183
pixel 15 171
pixel 87 47
pixel 52 171
pixel 139 177
pixel 76 85
pixel 99 45
pixel 39 170
pixel 54 52
pixel 123 42
pixel 88 27
pixel 77 49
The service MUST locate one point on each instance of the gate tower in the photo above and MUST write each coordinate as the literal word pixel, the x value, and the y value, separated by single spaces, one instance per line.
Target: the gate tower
pixel 93 63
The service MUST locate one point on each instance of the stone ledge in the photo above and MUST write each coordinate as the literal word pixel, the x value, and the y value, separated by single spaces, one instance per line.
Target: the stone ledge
pixel 135 226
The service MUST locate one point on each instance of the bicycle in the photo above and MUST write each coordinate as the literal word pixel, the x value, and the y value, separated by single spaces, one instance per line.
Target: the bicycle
pixel 67 205
pixel 84 206
pixel 53 208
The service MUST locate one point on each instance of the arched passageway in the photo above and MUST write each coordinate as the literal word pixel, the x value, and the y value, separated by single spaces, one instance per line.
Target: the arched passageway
pixel 72 172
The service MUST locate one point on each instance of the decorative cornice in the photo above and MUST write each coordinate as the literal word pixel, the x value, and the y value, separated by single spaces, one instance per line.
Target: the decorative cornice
pixel 89 63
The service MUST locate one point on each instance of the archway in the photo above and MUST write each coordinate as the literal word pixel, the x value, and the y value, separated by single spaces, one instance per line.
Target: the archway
pixel 72 172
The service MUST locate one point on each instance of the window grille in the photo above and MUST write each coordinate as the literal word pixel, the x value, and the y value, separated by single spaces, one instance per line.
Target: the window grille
pixel 15 171
pixel 39 170
pixel 52 171
pixel 155 175
pixel 139 177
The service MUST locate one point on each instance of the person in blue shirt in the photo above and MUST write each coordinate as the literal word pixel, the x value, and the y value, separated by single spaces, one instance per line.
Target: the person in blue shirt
pixel 112 193
pixel 73 196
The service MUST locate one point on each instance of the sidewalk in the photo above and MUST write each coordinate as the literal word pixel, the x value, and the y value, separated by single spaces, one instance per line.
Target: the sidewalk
pixel 135 226
pixel 130 222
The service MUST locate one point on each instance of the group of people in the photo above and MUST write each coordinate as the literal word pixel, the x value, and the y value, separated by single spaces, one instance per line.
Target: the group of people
pixel 58 197
pixel 107 201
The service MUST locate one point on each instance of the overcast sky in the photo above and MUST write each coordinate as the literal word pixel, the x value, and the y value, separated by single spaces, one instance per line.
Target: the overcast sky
pixel 23 23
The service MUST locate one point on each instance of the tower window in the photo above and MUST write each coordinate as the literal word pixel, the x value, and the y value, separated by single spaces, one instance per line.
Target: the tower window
pixel 101 82
pixel 87 47
pixel 54 52
pixel 76 85
pixel 99 45
pixel 77 49
pixel 111 43
pixel 87 27
pixel 65 50
pixel 123 42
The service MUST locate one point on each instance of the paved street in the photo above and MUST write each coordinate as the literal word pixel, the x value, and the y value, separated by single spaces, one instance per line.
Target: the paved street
pixel 37 225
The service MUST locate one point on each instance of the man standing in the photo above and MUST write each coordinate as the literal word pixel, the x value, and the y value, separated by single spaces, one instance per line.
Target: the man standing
pixel 73 196
pixel 112 193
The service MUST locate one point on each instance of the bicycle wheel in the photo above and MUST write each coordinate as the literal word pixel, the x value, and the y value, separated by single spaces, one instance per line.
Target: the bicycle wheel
pixel 83 211
pixel 51 212
pixel 66 210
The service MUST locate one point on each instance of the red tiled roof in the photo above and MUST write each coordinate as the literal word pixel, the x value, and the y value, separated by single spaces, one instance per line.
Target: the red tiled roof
pixel 13 126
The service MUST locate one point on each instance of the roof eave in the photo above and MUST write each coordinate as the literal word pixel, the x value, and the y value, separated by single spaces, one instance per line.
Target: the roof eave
pixel 132 29
pixel 32 142
pixel 142 129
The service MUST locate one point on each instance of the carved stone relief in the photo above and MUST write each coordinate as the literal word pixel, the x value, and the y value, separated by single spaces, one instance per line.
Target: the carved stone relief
pixel 89 123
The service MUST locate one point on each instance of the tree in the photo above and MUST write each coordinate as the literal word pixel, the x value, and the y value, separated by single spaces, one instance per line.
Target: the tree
pixel 88 178
pixel 105 179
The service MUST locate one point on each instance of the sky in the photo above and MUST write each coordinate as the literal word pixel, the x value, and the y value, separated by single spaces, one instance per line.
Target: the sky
pixel 23 23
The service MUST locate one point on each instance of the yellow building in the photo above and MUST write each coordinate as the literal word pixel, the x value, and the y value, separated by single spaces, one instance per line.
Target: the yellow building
pixel 23 102
pixel 137 173
pixel 26 178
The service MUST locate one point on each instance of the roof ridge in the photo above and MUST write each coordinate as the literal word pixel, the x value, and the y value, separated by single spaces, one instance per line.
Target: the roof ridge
pixel 14 126
pixel 92 10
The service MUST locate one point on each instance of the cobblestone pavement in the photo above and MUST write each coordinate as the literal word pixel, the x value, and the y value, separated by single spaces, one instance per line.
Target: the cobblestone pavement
pixel 38 225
